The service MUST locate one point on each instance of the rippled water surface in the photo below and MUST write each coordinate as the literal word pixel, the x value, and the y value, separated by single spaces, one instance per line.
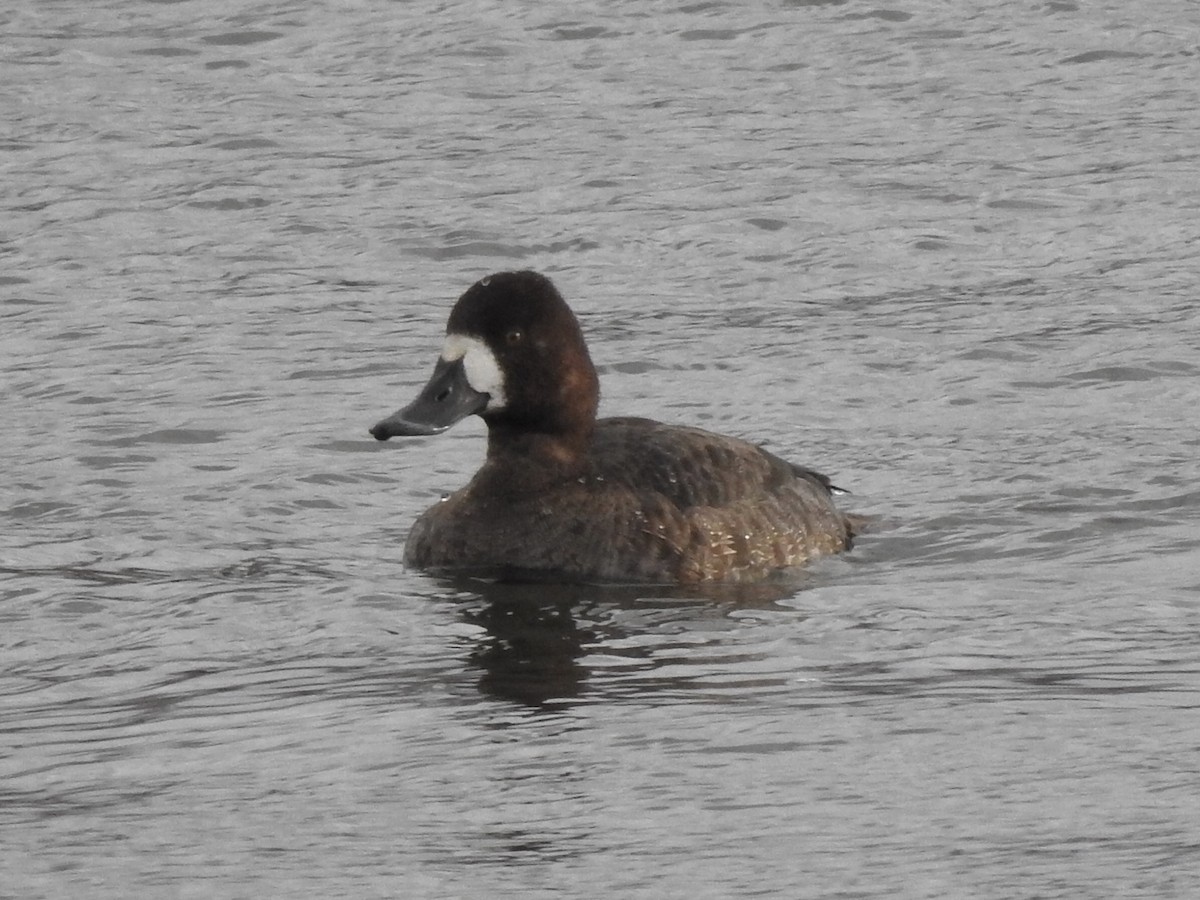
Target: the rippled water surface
pixel 945 252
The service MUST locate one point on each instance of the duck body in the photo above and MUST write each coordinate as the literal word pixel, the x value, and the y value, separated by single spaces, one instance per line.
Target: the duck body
pixel 564 496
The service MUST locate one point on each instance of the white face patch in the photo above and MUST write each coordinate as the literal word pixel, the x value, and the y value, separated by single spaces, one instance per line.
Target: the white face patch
pixel 483 372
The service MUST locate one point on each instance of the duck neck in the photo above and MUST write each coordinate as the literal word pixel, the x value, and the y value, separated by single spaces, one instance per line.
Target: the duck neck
pixel 555 454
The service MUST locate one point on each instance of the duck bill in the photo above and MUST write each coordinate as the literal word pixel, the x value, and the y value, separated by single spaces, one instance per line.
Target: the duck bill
pixel 446 399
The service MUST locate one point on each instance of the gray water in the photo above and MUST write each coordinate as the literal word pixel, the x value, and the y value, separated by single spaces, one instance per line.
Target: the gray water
pixel 946 252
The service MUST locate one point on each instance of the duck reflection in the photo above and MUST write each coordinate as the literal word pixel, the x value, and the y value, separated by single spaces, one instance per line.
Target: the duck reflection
pixel 536 637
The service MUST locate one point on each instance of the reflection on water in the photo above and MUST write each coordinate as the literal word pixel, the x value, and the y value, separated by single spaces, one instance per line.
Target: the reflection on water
pixel 531 646
pixel 535 635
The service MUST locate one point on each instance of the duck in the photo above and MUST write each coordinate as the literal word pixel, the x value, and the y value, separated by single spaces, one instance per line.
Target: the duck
pixel 564 496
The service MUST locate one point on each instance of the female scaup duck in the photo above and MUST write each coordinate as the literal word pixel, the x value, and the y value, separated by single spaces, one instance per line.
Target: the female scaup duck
pixel 568 497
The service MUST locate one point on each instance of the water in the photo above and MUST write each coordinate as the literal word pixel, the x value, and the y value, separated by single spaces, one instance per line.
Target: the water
pixel 944 252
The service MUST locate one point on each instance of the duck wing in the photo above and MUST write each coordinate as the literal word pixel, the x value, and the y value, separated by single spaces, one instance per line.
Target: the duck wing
pixel 692 467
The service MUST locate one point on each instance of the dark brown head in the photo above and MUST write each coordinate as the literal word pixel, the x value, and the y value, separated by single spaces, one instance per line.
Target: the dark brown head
pixel 514 355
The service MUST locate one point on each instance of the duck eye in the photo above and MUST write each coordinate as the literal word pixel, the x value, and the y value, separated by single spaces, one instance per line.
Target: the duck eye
pixel 514 336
